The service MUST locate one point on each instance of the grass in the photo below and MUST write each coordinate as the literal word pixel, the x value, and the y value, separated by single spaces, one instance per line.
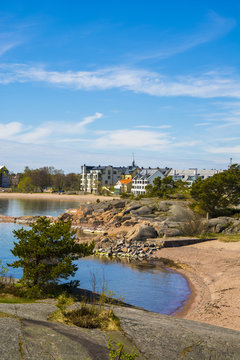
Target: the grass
pixel 91 317
pixel 87 316
pixel 5 315
pixel 12 299
pixel 228 238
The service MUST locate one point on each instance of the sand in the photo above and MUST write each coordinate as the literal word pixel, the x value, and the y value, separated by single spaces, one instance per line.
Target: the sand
pixel 55 196
pixel 213 271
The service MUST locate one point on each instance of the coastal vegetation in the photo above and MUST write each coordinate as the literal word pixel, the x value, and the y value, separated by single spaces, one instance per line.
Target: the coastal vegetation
pixel 167 188
pixel 47 177
pixel 219 191
pixel 46 253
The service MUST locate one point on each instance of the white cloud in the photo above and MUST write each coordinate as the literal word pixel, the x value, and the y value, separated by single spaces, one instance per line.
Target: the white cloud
pixel 51 131
pixel 225 150
pixel 153 127
pixel 127 138
pixel 8 131
pixel 89 119
pixel 203 124
pixel 207 85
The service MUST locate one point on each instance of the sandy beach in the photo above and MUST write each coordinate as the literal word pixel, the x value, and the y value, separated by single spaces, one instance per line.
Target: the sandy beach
pixel 213 271
pixel 55 196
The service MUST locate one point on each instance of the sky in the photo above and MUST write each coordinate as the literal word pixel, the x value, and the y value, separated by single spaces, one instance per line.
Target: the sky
pixel 96 82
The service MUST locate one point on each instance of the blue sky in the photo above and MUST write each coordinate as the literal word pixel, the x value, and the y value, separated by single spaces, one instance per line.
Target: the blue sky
pixel 95 82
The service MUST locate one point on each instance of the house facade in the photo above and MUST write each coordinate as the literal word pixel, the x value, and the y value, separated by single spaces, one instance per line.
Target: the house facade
pixel 192 174
pixel 145 177
pixel 94 178
pixel 123 186
pixel 4 177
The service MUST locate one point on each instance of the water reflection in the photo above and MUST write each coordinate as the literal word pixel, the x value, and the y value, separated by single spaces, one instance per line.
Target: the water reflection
pixel 21 207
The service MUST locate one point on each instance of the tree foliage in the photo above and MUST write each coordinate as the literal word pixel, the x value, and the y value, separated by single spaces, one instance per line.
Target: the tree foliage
pixel 47 177
pixel 219 191
pixel 26 184
pixel 165 187
pixel 46 252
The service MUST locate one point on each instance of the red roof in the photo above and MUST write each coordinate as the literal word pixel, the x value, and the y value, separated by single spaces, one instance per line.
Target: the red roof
pixel 125 181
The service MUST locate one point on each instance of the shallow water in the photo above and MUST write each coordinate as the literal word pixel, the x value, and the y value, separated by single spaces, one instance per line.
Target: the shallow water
pixel 146 285
pixel 21 207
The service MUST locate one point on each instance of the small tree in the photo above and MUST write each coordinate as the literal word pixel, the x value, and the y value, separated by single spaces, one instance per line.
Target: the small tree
pixel 25 184
pixel 165 187
pixel 218 191
pixel 46 252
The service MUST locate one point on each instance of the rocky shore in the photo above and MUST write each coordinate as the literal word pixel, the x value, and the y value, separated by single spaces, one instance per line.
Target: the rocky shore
pixel 146 230
pixel 137 229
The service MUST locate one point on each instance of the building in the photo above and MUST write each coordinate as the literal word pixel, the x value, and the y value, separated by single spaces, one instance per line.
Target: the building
pixel 4 177
pixel 192 174
pixel 130 171
pixel 123 186
pixel 94 178
pixel 145 177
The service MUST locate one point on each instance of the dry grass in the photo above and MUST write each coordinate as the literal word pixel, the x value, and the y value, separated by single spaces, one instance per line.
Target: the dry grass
pixel 87 316
pixel 228 238
pixel 193 226
pixel 92 317
pixel 5 315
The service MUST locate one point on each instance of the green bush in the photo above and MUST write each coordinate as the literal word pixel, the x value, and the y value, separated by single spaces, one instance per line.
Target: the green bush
pixel 116 352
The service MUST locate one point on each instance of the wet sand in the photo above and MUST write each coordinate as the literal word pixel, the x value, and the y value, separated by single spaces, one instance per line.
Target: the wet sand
pixel 55 196
pixel 213 272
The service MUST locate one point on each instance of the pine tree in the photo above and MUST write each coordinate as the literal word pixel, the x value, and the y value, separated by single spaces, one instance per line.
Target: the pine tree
pixel 46 252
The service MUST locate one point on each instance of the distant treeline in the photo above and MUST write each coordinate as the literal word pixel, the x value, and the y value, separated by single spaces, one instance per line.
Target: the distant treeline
pixel 45 178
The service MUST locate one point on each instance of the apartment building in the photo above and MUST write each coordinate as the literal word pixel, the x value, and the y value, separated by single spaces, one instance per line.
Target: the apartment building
pixel 192 174
pixel 145 177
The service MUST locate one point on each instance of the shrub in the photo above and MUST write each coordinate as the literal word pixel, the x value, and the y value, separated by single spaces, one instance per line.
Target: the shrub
pixel 116 352
pixel 193 226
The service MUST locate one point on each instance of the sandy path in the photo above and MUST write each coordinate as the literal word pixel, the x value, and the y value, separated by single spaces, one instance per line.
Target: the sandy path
pixel 213 271
pixel 54 196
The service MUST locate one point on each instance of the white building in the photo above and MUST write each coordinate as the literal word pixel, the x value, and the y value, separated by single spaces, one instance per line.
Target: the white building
pixel 192 175
pixel 96 177
pixel 145 177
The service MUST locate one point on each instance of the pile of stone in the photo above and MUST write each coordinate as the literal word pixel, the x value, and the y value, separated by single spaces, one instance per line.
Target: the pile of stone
pixel 131 249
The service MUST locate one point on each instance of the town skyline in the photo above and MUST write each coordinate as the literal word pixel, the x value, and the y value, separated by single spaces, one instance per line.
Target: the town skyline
pixel 94 83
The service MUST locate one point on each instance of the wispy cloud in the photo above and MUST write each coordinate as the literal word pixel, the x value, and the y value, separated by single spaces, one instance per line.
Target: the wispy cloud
pixel 153 127
pixel 203 124
pixel 12 34
pixel 225 150
pixel 213 28
pixel 9 130
pixel 207 85
pixel 133 139
pixel 47 132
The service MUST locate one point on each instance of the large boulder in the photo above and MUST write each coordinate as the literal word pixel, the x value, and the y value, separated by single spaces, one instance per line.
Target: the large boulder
pixel 143 211
pixel 180 213
pixel 219 224
pixel 143 232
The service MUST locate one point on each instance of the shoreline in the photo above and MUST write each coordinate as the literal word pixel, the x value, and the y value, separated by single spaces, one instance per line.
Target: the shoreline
pixel 212 270
pixel 84 198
